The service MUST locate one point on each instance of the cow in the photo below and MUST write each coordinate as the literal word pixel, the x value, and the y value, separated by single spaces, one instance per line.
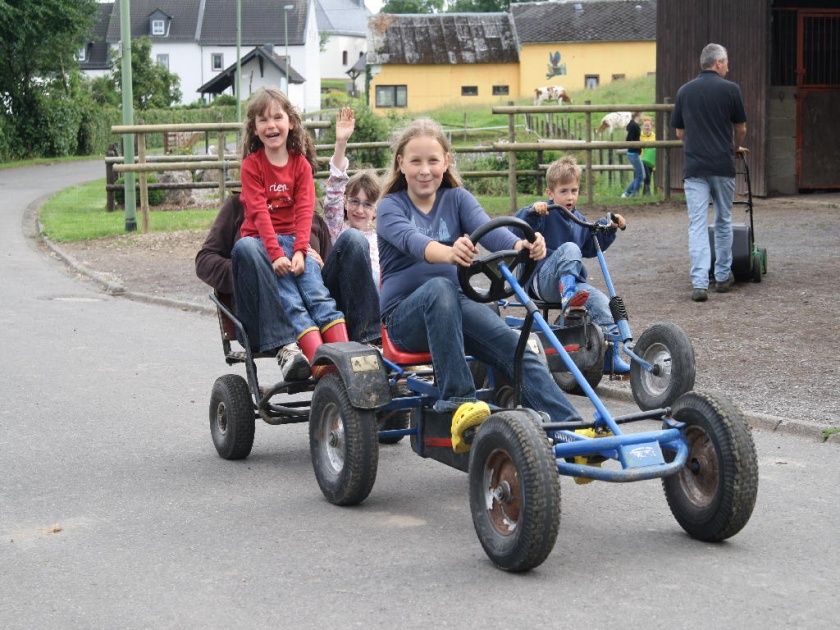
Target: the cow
pixel 614 120
pixel 551 93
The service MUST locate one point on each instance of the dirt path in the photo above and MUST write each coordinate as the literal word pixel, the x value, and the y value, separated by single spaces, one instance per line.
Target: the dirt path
pixel 773 347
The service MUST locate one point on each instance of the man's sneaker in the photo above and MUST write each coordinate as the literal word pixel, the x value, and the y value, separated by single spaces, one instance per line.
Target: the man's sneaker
pixel 723 287
pixel 293 365
pixel 699 295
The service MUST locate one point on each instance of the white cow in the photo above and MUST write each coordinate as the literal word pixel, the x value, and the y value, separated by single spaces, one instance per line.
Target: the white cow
pixel 551 93
pixel 614 120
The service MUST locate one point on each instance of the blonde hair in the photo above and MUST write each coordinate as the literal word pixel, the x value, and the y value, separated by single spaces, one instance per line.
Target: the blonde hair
pixel 562 171
pixel 422 127
pixel 298 140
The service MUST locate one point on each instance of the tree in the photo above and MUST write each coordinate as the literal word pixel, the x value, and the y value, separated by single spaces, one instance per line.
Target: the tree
pixel 153 85
pixel 478 6
pixel 38 45
pixel 412 6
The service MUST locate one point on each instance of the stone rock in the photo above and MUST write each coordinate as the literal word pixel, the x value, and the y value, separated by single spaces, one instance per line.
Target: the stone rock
pixel 178 197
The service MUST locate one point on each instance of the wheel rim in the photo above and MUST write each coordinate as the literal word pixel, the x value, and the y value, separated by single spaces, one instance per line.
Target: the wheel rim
pixel 502 493
pixel 221 418
pixel 332 438
pixel 700 477
pixel 657 354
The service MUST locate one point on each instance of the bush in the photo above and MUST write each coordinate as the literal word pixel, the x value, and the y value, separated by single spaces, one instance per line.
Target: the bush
pixel 156 197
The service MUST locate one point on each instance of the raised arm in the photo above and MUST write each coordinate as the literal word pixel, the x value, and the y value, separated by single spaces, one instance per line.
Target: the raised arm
pixel 345 123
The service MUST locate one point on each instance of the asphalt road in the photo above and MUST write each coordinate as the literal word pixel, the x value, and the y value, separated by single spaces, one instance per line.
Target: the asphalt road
pixel 115 510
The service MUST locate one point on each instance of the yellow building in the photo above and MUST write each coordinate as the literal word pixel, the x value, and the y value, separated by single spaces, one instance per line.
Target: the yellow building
pixel 584 44
pixel 422 62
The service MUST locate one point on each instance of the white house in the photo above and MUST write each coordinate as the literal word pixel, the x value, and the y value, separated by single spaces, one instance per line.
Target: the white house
pixel 196 39
pixel 343 25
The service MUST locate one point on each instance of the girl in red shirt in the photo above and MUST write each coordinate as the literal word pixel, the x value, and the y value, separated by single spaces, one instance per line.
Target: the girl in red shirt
pixel 278 192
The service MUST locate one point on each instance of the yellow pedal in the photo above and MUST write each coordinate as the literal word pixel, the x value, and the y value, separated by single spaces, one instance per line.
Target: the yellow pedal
pixel 589 460
pixel 467 416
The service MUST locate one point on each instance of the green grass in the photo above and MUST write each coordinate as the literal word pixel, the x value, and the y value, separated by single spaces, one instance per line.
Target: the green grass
pixel 827 433
pixel 78 214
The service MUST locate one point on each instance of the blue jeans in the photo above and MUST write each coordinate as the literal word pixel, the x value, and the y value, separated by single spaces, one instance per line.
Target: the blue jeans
pixel 635 160
pixel 347 276
pixel 438 318
pixel 276 310
pixel 698 192
pixel 567 259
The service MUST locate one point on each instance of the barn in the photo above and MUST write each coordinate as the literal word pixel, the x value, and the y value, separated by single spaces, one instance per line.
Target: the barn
pixel 785 55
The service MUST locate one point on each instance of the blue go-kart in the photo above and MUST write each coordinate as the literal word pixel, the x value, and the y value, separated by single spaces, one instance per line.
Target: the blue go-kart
pixel 661 361
pixel 702 450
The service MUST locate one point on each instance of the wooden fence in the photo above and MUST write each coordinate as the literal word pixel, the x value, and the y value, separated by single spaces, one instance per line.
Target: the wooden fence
pixel 227 162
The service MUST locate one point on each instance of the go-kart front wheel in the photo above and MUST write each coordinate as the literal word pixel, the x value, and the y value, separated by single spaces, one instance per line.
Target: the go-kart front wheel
pixel 713 495
pixel 668 348
pixel 231 417
pixel 514 491
pixel 342 443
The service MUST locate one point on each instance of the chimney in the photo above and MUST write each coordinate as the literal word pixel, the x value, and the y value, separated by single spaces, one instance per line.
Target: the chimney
pixel 269 48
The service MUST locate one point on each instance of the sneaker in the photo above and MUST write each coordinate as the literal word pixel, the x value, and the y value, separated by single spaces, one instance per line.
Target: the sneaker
pixel 723 287
pixel 466 417
pixel 575 301
pixel 293 365
pixel 624 195
pixel 699 295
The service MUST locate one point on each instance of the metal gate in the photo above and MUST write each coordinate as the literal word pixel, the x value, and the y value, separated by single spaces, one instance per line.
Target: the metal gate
pixel 818 107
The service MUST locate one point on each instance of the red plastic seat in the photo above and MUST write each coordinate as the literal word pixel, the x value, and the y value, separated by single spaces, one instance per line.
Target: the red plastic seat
pixel 394 354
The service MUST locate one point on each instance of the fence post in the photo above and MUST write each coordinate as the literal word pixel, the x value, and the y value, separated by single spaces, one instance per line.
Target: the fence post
pixel 465 126
pixel 110 178
pixel 666 154
pixel 540 174
pixel 589 178
pixel 512 160
pixel 223 171
pixel 144 184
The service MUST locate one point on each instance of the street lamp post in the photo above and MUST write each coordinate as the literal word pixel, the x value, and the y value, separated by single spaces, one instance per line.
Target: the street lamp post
pixel 286 9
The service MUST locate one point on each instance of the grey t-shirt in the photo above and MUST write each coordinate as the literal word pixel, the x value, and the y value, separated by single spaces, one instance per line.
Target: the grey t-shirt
pixel 404 232
pixel 706 108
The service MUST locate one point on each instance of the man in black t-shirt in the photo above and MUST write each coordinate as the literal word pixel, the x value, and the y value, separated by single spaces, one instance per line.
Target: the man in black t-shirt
pixel 707 111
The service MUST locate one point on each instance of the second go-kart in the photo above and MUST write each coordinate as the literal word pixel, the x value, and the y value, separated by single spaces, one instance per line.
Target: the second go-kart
pixel 661 361
pixel 702 451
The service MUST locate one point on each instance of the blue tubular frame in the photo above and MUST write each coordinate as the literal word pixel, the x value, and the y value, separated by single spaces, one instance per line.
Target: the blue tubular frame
pixel 640 454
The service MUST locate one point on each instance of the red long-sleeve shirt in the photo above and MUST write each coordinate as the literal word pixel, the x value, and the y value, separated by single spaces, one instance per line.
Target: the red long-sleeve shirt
pixel 277 200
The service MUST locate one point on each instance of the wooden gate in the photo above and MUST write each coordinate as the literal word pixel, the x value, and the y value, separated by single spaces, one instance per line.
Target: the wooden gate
pixel 818 107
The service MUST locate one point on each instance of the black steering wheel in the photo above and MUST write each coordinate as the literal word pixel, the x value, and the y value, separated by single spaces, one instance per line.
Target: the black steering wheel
pixel 519 262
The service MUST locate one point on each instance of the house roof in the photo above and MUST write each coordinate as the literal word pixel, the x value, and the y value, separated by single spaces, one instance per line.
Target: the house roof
pixel 97 49
pixel 444 38
pixel 262 54
pixel 184 14
pixel 262 22
pixel 585 21
pixel 342 17
pixel 213 22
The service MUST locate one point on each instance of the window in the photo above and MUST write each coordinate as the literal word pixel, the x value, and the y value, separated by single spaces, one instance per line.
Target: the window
pixel 391 95
pixel 163 60
pixel 158 27
pixel 501 90
pixel 591 81
pixel 469 90
pixel 217 61
pixel 344 57
pixel 618 77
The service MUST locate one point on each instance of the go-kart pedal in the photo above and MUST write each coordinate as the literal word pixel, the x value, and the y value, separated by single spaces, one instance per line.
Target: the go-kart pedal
pixel 590 460
pixel 465 421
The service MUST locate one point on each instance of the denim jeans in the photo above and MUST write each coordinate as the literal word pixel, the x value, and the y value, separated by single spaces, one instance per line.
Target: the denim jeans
pixel 438 318
pixel 698 192
pixel 635 160
pixel 274 309
pixel 567 259
pixel 347 276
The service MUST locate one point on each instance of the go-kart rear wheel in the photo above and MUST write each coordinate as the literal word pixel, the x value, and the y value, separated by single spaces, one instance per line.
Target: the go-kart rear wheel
pixel 514 491
pixel 713 496
pixel 666 346
pixel 231 417
pixel 569 384
pixel 342 443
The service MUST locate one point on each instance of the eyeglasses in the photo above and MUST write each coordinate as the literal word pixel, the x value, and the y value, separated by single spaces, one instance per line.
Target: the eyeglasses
pixel 352 202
